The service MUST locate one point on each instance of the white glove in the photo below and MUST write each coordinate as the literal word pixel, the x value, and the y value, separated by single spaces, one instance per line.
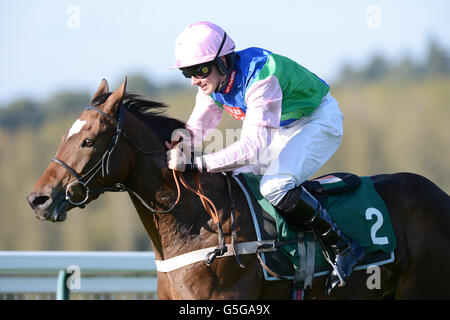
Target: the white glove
pixel 176 157
pixel 180 154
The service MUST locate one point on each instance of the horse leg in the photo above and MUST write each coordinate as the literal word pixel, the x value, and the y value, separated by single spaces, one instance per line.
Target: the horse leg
pixel 165 291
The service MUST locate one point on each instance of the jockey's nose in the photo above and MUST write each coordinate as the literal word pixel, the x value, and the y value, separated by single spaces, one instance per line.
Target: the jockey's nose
pixel 195 81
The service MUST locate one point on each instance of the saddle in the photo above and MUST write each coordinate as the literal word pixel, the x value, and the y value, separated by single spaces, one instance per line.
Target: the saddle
pixel 351 201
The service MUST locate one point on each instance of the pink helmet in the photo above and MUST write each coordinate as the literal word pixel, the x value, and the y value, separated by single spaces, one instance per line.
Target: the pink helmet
pixel 200 42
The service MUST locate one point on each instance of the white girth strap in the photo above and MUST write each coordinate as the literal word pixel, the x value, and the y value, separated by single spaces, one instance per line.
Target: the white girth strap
pixel 199 255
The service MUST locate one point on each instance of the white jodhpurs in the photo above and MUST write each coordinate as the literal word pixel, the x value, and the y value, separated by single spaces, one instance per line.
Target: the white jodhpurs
pixel 302 148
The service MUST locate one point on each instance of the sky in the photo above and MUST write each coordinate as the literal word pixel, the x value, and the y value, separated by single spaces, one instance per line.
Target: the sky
pixel 50 45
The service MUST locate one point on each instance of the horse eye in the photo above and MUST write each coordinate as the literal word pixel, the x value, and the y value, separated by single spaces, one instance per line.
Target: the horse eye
pixel 87 143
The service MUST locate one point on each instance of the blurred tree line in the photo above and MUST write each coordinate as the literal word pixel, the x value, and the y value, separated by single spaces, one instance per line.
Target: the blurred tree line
pixel 396 119
pixel 379 68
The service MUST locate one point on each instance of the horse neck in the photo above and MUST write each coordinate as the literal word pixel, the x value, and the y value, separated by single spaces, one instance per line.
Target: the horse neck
pixel 187 226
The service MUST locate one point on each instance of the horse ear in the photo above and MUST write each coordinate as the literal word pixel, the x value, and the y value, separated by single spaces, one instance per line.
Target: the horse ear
pixel 115 99
pixel 103 88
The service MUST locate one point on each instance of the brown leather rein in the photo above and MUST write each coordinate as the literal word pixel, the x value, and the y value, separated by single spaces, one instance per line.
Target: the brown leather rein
pixel 103 166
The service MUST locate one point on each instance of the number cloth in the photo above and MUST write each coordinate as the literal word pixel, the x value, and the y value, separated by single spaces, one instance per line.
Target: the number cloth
pixel 361 214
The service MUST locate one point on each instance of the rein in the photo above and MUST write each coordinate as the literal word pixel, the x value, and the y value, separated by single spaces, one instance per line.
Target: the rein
pixel 212 211
pixel 104 164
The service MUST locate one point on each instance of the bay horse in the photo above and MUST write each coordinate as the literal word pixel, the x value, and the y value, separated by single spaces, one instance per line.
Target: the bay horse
pixel 117 144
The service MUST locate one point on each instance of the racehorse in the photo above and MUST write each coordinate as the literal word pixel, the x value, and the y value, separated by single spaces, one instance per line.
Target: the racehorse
pixel 117 144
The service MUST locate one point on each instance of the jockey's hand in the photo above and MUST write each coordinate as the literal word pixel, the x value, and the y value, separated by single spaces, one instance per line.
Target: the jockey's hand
pixel 180 157
pixel 176 156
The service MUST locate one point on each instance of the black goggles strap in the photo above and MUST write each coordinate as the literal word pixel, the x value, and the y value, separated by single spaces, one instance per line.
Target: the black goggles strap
pixel 221 45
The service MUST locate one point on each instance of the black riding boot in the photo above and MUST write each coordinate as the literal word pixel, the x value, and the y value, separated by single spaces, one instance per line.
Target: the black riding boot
pixel 300 209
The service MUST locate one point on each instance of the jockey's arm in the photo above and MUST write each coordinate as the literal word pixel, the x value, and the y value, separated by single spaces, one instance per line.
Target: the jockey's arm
pixel 263 100
pixel 205 117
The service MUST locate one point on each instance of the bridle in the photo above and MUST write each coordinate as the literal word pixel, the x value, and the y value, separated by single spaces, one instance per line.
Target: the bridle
pixel 103 165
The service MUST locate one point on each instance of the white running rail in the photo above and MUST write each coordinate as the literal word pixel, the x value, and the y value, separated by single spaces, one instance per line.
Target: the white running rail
pixel 77 275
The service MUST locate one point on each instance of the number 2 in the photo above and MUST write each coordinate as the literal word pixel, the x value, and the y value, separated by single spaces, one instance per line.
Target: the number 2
pixel 379 222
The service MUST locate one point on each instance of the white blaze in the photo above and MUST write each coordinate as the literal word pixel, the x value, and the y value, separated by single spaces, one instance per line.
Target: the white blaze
pixel 76 127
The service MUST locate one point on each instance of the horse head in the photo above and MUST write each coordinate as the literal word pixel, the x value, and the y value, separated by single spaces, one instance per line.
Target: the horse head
pixel 82 167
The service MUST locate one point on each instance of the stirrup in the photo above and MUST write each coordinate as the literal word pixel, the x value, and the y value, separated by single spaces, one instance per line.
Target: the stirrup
pixel 355 255
pixel 338 273
pixel 332 283
pixel 333 265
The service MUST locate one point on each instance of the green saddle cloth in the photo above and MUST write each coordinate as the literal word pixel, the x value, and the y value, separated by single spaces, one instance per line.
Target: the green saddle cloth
pixel 360 213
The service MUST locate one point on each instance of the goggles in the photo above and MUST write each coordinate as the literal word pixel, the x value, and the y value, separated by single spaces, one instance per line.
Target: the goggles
pixel 198 71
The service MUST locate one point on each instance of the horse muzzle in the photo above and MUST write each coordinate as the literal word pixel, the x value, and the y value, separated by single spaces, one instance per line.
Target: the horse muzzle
pixel 47 208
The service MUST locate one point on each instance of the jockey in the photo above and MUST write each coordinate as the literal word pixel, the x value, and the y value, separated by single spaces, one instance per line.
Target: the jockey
pixel 291 126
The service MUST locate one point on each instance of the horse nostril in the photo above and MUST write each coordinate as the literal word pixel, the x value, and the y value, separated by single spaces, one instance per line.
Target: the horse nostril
pixel 38 201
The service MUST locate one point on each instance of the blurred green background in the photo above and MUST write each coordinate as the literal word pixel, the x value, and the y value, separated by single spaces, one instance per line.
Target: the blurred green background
pixel 396 113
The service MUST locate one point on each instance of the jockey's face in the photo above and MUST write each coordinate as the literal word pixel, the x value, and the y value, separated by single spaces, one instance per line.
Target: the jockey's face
pixel 209 83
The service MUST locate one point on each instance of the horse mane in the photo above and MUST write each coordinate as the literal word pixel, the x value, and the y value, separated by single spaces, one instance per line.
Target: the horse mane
pixel 152 113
